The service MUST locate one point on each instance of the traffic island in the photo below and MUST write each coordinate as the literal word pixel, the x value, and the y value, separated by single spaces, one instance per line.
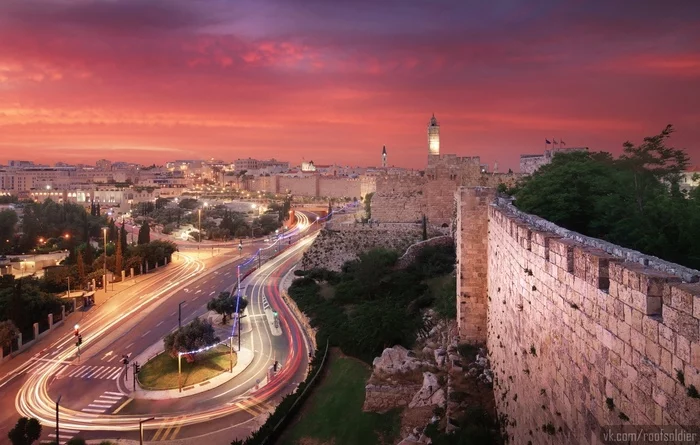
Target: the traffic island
pixel 161 372
pixel 162 368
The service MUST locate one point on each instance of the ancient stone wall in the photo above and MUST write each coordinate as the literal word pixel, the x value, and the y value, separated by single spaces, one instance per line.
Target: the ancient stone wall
pixel 332 248
pixel 402 198
pixel 579 339
pixel 304 186
pixel 340 187
pixel 471 235
pixel 399 199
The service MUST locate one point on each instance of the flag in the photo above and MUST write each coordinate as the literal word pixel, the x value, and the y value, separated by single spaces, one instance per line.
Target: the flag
pixel 562 142
pixel 546 141
pixel 554 141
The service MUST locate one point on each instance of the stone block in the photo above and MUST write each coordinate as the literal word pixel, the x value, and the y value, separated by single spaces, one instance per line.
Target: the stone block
pixel 695 354
pixel 667 338
pixel 682 296
pixel 641 286
pixel 565 249
pixel 524 234
pixel 683 324
pixel 593 266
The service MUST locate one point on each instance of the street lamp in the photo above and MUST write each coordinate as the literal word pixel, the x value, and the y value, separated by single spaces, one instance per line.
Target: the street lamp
pixel 104 275
pixel 57 402
pixel 141 422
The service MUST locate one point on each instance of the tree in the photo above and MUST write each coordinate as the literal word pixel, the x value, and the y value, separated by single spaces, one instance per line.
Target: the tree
pixel 122 237
pixel 81 268
pixel 225 304
pixel 196 335
pixel 118 257
pixel 76 441
pixel 8 221
pixel 144 234
pixel 8 332
pixel 368 205
pixel 26 431
pixel 634 201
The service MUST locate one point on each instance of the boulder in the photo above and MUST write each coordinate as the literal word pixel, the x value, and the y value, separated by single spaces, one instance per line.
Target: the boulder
pixel 430 393
pixel 396 360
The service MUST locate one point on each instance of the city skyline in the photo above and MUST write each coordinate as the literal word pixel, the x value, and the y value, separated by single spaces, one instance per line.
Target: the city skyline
pixel 148 83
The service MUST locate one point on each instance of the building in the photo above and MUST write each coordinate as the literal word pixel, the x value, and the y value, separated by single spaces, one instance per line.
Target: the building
pixel 530 163
pixel 104 165
pixel 384 156
pixel 690 178
pixel 433 138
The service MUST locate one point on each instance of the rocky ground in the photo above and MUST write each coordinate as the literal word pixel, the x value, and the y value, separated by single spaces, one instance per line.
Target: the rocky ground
pixel 435 382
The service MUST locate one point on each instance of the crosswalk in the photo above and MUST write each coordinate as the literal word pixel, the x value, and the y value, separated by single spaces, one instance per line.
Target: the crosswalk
pixel 103 403
pixel 255 406
pixel 93 372
pixel 169 430
pixel 65 369
pixel 64 435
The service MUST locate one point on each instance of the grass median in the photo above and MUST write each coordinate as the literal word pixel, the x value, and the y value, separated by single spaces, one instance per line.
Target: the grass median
pixel 333 413
pixel 161 371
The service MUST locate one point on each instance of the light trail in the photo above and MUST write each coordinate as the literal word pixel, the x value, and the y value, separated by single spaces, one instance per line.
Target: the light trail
pixel 33 400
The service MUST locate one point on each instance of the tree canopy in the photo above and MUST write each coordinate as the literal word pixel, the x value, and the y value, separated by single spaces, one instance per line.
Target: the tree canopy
pixel 634 201
pixel 26 431
pixel 371 305
pixel 225 304
pixel 191 337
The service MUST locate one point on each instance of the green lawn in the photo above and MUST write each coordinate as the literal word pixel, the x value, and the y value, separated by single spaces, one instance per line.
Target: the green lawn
pixel 334 410
pixel 161 371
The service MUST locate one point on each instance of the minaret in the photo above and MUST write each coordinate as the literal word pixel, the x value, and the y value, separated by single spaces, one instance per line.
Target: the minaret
pixel 433 138
pixel 384 156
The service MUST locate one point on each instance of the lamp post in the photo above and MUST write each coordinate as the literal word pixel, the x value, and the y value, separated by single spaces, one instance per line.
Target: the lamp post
pixel 141 422
pixel 199 212
pixel 57 402
pixel 104 284
pixel 179 371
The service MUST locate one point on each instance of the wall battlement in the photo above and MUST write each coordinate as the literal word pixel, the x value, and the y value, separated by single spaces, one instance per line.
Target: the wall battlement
pixel 580 339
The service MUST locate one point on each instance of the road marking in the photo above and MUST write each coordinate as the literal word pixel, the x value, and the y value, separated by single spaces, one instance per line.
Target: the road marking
pixel 127 346
pixel 111 398
pixel 97 405
pixel 111 358
pixel 160 323
pixel 249 410
pixel 115 393
pixel 115 374
pixel 122 406
pixel 212 292
pixel 146 333
pixel 90 410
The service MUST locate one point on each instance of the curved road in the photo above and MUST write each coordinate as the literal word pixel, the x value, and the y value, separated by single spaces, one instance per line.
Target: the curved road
pixel 95 399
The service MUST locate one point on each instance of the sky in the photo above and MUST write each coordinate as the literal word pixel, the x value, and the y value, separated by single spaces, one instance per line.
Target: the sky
pixel 334 80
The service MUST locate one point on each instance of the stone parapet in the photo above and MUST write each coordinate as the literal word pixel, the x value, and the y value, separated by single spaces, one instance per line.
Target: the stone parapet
pixel 582 334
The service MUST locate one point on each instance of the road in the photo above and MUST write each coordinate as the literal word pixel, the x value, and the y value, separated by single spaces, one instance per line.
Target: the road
pixel 95 398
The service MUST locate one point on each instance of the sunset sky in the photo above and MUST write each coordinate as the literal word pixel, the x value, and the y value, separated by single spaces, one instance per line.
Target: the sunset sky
pixel 334 80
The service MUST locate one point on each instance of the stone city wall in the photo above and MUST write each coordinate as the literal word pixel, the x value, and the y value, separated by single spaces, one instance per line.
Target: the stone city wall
pixel 408 198
pixel 340 187
pixel 579 339
pixel 332 248
pixel 304 186
pixel 313 185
